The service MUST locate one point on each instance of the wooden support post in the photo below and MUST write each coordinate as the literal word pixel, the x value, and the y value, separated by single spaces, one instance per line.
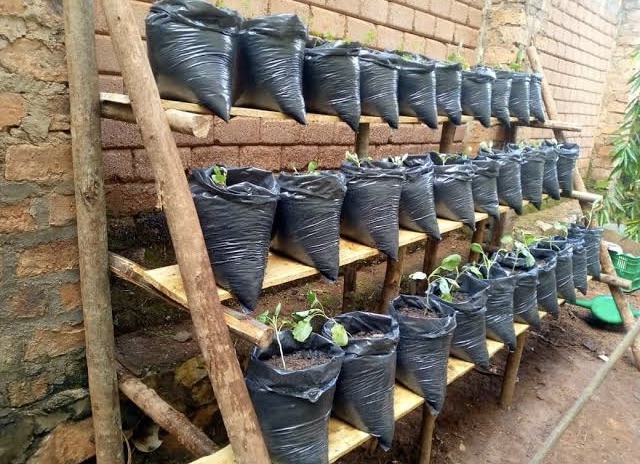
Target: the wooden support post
pixel 91 217
pixel 614 280
pixel 207 314
pixel 163 414
pixel 446 139
pixel 621 301
pixel 349 274
pixel 511 134
pixel 362 139
pixel 426 434
pixel 511 372
pixel 583 196
pixel 428 262
pixel 392 277
pixel 478 237
pixel 498 229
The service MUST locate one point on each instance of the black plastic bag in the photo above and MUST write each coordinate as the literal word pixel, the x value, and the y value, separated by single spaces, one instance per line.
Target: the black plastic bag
pixel 567 155
pixel 192 50
pixel 364 392
pixel 332 81
pixel 453 190
pixel 579 263
pixel 236 222
pixel 564 266
pixel 536 105
pixel 509 179
pixel 307 222
pixel 525 303
pixel 499 316
pixel 546 291
pixel 417 89
pixel 550 183
pixel 500 93
pixel 485 185
pixel 592 237
pixel 271 60
pixel 519 99
pixel 293 407
pixel 370 208
pixel 417 203
pixel 532 175
pixel 475 97
pixel 470 336
pixel 379 86
pixel 423 350
pixel 448 90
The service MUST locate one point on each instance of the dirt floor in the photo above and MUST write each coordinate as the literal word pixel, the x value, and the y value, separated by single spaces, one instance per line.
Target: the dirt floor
pixel 559 360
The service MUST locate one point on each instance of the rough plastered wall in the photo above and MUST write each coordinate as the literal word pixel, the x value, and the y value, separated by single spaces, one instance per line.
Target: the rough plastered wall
pixel 42 367
pixel 616 96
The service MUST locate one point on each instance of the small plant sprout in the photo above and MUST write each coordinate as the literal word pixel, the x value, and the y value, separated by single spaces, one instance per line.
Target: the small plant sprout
pixel 398 160
pixel 518 62
pixel 458 57
pixel 561 228
pixel 369 37
pixel 486 146
pixel 521 250
pixel 277 324
pixel 354 158
pixel 219 175
pixel 312 167
pixel 302 327
pixel 446 285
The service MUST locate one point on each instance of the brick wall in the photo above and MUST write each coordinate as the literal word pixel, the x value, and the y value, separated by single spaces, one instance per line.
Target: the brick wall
pixel 42 373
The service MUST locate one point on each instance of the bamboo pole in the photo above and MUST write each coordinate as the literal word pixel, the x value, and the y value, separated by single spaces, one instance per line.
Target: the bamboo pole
pixel 208 316
pixel 92 230
pixel 163 414
pixel 589 390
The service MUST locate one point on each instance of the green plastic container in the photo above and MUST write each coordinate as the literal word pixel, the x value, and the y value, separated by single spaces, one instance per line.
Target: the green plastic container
pixel 604 308
pixel 628 267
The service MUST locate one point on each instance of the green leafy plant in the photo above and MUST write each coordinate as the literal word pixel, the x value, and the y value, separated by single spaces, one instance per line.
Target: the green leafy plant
pixel 277 323
pixel 561 228
pixel 370 37
pixel 312 167
pixel 486 146
pixel 354 158
pixel 219 175
pixel 458 57
pixel 518 62
pixel 303 328
pixel 398 160
pixel 446 285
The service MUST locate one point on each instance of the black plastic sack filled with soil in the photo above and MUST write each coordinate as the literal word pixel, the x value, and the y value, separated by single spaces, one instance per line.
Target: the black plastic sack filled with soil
pixel 579 263
pixel 499 316
pixel 332 81
pixel 532 175
pixel 485 185
pixel 550 183
pixel 271 62
pixel 509 178
pixel 453 190
pixel 379 86
pixel 592 237
pixel 469 338
pixel 519 98
pixel 236 221
pixel 370 207
pixel 567 155
pixel 546 291
pixel 448 90
pixel 500 93
pixel 417 89
pixel 564 266
pixel 364 392
pixel 536 105
pixel 423 351
pixel 307 222
pixel 525 304
pixel 417 204
pixel 293 406
pixel 192 50
pixel 475 98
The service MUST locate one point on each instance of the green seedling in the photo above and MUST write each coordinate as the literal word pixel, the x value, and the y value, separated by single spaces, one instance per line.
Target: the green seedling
pixel 312 167
pixel 398 160
pixel 447 285
pixel 518 62
pixel 354 158
pixel 561 228
pixel 219 175
pixel 369 37
pixel 277 324
pixel 302 321
pixel 486 146
pixel 458 57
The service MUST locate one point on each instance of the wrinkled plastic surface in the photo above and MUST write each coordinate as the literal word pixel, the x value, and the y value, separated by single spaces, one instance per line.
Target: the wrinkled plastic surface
pixel 379 86
pixel 307 222
pixel 449 90
pixel 469 338
pixel 550 183
pixel 370 208
pixel 519 98
pixel 485 185
pixel 509 178
pixel 192 49
pixel 500 93
pixel 532 175
pixel 579 263
pixel 546 292
pixel 236 222
pixel 332 81
pixel 417 202
pixel 293 407
pixel 567 155
pixel 271 60
pixel 417 89
pixel 592 237
pixel 499 316
pixel 453 190
pixel 475 97
pixel 536 105
pixel 525 304
pixel 364 392
pixel 423 350
pixel 564 266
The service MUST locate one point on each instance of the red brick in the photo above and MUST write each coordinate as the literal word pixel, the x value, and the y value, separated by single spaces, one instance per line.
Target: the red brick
pixel 248 8
pixel 444 30
pixel 33 58
pixel 380 134
pixel 16 218
pixel 129 199
pixel 260 156
pixel 388 38
pixel 142 165
pixel 474 19
pixel 424 23
pixel 69 442
pixel 351 7
pixel 27 390
pixel 280 132
pixel 328 23
pixel 360 31
pixel 69 295
pixel 412 148
pixel 459 12
pixel 331 156
pixel 47 257
pixel 38 163
pixel 400 16
pixel 106 57
pixel 377 10
pixel 202 157
pixel 298 156
pixel 410 133
pixel 238 131
pixel 52 342
pixel 28 302
pixel 466 35
pixel 435 49
pixel 11 7
pixel 317 133
pixel 343 135
pixel 13 109
pixel 117 134
pixel 440 8
pixel 288 6
pixel 118 166
pixel 62 209
pixel 413 43
pixel 111 84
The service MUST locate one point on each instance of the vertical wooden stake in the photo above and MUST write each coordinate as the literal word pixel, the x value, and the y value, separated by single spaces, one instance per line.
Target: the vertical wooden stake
pixel 429 261
pixel 446 139
pixel 349 274
pixel 392 277
pixel 478 237
pixel 207 314
pixel 92 229
pixel 511 372
pixel 498 229
pixel 362 140
pixel 426 434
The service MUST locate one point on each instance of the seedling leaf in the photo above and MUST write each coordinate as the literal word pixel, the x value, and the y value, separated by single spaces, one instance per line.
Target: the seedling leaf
pixel 276 311
pixel 312 167
pixel 302 330
pixel 263 317
pixel 475 271
pixel 418 276
pixel 339 335
pixel 506 240
pixel 451 262
pixel 476 248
